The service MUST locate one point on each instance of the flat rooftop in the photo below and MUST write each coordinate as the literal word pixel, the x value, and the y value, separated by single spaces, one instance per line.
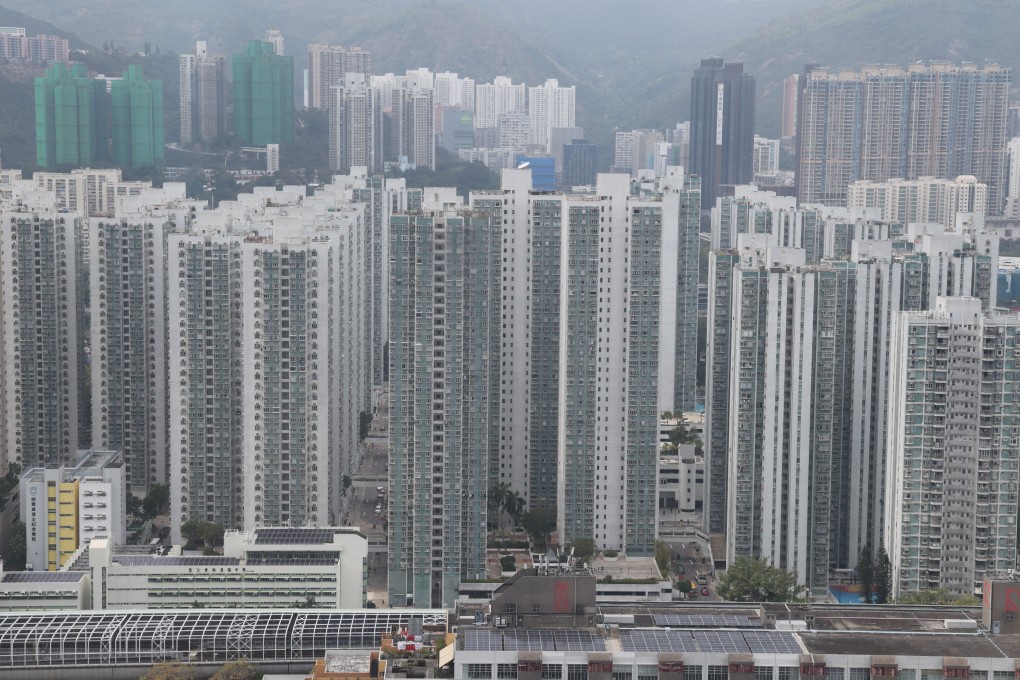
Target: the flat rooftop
pixel 42 576
pixel 919 644
pixel 299 535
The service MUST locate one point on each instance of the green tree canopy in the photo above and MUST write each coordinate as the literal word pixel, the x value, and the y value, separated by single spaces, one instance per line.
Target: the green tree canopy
pixel 513 504
pixel 156 501
pixel 16 549
pixel 169 671
pixel 663 553
pixel 538 525
pixel 750 579
pixel 237 670
pixel 584 549
pixel 197 531
pixel 883 576
pixel 866 574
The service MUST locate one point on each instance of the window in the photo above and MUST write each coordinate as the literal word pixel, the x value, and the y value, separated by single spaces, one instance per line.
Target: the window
pixel 860 674
pixel 693 673
pixel 788 672
pixel 479 671
pixel 1008 615
pixel 763 673
pixel 834 673
pixel 506 671
pixel 622 673
pixel 718 673
pixel 552 671
pixel 577 671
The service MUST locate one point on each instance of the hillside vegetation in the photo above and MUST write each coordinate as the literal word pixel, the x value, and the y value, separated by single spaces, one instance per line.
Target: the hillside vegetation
pixel 631 63
pixel 852 33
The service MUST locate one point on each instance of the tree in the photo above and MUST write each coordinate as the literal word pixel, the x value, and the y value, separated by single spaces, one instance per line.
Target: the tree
pixel 197 531
pixel 237 670
pixel 160 493
pixel 212 534
pixel 684 586
pixel 663 554
pixel 750 579
pixel 513 503
pixel 538 525
pixel 17 547
pixel 133 505
pixel 156 501
pixel 866 574
pixel 584 549
pixel 681 434
pixel 496 501
pixel 307 603
pixel 883 576
pixel 938 596
pixel 169 671
pixel 192 531
pixel 364 423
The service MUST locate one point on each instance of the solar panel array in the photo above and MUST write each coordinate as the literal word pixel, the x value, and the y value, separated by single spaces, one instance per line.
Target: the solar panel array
pixel 155 560
pixel 578 641
pixel 720 641
pixel 770 641
pixel 293 536
pixel 657 641
pixel 528 640
pixel 482 640
pixel 531 639
pixel 707 621
pixel 43 576
pixel 254 559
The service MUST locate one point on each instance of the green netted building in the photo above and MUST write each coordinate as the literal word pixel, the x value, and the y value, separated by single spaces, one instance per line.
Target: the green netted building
pixel 70 117
pixel 136 119
pixel 263 95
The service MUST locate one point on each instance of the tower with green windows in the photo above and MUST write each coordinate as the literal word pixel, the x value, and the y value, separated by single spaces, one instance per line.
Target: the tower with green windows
pixel 70 124
pixel 263 95
pixel 136 115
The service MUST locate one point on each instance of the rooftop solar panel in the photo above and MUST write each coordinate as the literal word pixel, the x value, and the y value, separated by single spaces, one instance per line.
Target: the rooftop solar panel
pixel 528 640
pixel 482 640
pixel 156 560
pixel 43 576
pixel 657 641
pixel 773 642
pixel 720 641
pixel 707 621
pixel 293 536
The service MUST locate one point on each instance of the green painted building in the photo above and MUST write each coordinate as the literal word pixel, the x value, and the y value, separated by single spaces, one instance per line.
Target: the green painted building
pixel 263 95
pixel 136 117
pixel 70 117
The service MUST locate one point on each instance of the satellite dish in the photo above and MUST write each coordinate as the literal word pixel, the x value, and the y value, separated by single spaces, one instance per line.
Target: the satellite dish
pixel 524 165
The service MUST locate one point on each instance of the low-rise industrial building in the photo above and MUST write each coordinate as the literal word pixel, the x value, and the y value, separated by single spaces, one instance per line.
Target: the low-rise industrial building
pixel 265 568
pixel 556 631
pixel 269 567
pixel 44 590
